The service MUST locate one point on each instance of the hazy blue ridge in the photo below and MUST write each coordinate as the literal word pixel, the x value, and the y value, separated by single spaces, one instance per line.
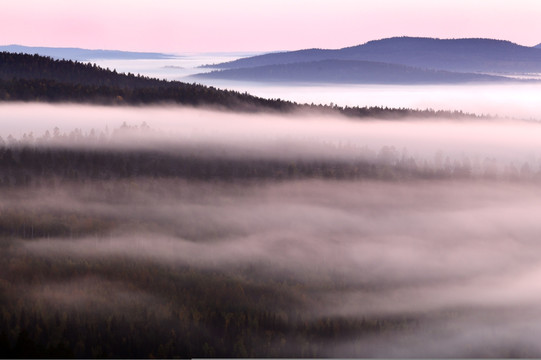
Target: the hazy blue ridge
pixel 84 54
pixel 462 55
pixel 347 72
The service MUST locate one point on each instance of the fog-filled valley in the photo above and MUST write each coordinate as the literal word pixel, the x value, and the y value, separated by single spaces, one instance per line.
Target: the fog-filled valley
pixel 270 179
pixel 167 231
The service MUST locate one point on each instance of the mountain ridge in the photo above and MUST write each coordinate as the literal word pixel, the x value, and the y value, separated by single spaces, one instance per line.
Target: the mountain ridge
pixel 461 55
pixel 347 72
pixel 81 54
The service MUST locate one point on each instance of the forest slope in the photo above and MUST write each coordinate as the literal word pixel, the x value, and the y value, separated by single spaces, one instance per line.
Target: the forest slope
pixel 37 78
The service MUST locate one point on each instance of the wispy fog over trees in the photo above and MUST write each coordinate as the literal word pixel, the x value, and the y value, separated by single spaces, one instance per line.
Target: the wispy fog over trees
pixel 167 267
pixel 100 155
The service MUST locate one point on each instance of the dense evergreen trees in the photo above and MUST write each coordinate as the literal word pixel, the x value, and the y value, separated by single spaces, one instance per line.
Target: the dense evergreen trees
pixel 208 313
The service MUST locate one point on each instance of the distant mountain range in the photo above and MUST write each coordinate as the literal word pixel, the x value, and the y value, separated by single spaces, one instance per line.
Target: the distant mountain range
pixel 348 72
pixel 83 54
pixel 401 60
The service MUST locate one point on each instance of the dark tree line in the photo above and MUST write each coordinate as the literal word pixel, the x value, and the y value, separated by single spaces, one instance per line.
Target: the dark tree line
pixel 49 161
pixel 37 78
pixel 27 166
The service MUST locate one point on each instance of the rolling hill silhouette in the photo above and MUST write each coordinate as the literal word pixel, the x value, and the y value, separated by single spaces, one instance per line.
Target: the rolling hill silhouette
pixel 480 56
pixel 347 72
pixel 83 54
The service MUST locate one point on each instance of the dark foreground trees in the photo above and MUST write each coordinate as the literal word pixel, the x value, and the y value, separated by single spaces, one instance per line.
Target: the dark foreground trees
pixel 37 78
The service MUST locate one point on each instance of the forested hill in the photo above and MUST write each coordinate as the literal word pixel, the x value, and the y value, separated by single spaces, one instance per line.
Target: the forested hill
pixel 26 77
pixel 37 78
pixel 23 66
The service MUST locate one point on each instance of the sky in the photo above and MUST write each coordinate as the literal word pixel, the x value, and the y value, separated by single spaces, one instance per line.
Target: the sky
pixel 192 26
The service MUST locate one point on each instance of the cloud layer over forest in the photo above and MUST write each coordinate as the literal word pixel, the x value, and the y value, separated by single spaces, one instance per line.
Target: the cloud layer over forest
pixel 477 143
pixel 458 257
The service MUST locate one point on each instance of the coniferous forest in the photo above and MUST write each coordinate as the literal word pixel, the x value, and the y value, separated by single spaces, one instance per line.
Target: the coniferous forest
pixel 37 78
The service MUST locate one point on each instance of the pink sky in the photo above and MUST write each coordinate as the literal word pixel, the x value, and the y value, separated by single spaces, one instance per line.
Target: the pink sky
pixel 258 25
